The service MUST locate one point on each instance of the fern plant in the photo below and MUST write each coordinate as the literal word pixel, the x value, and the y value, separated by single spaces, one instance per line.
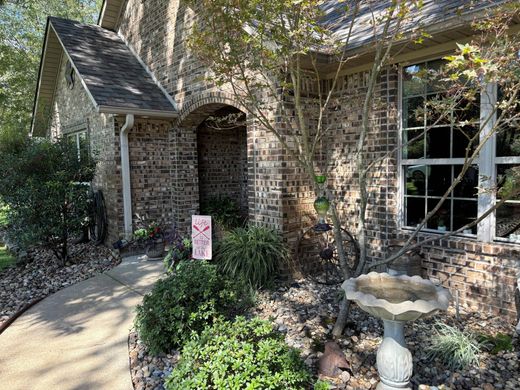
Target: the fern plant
pixel 252 253
pixel 455 348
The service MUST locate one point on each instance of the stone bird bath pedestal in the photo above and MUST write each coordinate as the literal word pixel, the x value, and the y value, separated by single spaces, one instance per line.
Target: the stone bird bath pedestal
pixel 396 300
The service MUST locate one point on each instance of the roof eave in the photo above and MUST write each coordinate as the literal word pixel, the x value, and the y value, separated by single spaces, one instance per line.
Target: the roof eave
pixel 38 82
pixel 110 14
pixel 105 109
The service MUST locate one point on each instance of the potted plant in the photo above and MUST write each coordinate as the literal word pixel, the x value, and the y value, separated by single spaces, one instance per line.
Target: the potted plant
pixel 151 237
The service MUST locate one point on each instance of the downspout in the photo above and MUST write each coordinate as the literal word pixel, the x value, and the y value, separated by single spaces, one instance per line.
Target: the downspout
pixel 125 173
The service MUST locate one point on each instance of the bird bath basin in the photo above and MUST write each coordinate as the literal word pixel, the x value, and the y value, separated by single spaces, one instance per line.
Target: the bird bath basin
pixel 396 300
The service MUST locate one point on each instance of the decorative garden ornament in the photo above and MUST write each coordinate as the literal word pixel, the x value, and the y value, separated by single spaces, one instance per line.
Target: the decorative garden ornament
pixel 396 300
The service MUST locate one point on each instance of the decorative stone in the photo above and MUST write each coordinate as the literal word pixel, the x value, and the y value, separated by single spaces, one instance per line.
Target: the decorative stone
pixel 333 360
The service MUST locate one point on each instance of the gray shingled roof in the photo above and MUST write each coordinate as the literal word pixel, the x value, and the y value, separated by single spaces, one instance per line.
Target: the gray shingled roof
pixel 112 74
pixel 433 12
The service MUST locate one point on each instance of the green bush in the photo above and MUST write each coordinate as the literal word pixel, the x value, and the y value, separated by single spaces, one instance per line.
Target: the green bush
pixel 495 344
pixel 244 354
pixel 453 347
pixel 42 186
pixel 194 296
pixel 180 250
pixel 252 254
pixel 223 210
pixel 322 385
pixel 4 215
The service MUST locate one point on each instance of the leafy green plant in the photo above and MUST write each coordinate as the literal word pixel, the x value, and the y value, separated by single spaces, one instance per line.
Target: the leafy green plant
pixel 194 296
pixel 322 385
pixel 4 215
pixel 44 186
pixel 180 250
pixel 495 344
pixel 455 348
pixel 6 260
pixel 223 210
pixel 244 354
pixel 252 254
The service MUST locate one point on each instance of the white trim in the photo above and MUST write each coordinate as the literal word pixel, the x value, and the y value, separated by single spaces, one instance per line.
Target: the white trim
pixel 487 171
pixel 507 160
pixel 39 82
pixel 434 161
pixel 400 173
pixel 102 14
pixel 136 111
pixel 125 175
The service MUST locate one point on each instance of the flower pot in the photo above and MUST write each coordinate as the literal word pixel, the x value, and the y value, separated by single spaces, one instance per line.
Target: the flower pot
pixel 155 250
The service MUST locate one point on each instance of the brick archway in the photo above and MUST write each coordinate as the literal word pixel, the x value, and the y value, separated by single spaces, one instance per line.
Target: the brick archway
pixel 222 157
pixel 199 108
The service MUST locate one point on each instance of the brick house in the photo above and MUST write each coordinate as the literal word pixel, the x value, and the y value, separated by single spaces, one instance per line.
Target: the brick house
pixel 130 89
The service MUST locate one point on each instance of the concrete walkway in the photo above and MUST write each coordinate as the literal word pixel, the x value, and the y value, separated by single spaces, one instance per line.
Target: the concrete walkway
pixel 77 338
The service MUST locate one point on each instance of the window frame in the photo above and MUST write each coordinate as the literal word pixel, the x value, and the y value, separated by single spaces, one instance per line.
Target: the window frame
pixel 76 131
pixel 487 163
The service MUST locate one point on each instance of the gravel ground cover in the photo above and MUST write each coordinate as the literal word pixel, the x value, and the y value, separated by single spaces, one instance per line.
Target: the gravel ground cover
pixel 6 259
pixel 305 312
pixel 39 275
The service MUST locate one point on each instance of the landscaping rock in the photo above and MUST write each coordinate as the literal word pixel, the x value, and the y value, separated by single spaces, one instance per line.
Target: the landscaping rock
pixel 305 312
pixel 39 275
pixel 333 361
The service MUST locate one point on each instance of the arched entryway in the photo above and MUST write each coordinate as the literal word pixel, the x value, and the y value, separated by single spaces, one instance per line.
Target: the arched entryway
pixel 223 159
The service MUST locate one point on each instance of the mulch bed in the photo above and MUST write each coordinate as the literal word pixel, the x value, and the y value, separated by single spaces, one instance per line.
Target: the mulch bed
pixel 39 275
pixel 305 312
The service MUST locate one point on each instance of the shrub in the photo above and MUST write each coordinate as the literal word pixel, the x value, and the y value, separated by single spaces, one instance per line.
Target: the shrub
pixel 193 297
pixel 244 354
pixel 41 185
pixel 223 210
pixel 322 385
pixel 495 344
pixel 180 249
pixel 4 212
pixel 455 348
pixel 252 254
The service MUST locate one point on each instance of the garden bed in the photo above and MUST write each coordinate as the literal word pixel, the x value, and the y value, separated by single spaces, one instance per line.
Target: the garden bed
pixel 39 275
pixel 305 313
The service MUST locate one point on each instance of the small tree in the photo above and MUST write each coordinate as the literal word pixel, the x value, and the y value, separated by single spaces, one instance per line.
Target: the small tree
pixel 45 185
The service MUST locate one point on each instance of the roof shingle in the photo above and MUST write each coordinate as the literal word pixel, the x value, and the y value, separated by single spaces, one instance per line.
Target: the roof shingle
pixel 111 72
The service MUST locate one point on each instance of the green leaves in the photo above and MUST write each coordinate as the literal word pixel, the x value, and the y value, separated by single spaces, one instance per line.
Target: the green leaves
pixel 243 354
pixel 41 187
pixel 252 254
pixel 193 297
pixel 455 348
pixel 22 25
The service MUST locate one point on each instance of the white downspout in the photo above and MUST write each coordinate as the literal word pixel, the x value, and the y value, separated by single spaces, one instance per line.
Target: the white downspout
pixel 125 173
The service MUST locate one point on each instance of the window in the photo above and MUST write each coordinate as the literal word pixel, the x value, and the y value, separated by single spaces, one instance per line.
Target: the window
pixel 507 157
pixel 434 153
pixel 80 140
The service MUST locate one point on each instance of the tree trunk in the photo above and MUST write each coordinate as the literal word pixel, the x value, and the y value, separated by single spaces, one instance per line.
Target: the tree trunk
pixel 341 321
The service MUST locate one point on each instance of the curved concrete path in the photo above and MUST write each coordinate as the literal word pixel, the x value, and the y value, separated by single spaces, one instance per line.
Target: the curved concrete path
pixel 77 338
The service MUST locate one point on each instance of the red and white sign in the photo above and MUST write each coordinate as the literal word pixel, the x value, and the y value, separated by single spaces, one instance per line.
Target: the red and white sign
pixel 201 236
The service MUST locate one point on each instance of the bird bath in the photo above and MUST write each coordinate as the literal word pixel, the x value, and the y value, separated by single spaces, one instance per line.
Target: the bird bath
pixel 396 300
